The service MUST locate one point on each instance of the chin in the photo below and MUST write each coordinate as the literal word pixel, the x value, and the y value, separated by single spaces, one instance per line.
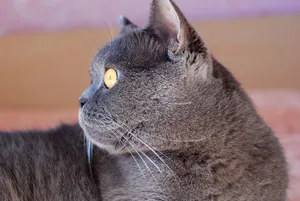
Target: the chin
pixel 102 144
pixel 96 137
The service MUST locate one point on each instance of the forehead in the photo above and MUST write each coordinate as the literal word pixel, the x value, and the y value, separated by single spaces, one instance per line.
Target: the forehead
pixel 134 50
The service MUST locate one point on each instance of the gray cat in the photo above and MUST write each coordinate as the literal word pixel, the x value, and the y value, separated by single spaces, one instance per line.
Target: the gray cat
pixel 168 122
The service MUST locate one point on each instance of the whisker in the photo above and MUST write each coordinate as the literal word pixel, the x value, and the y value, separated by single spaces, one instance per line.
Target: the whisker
pixel 148 146
pixel 144 154
pixel 111 32
pixel 148 168
pixel 158 156
pixel 136 162
pixel 139 167
pixel 163 154
pixel 170 140
pixel 138 152
pixel 134 150
pixel 162 160
pixel 168 102
pixel 152 147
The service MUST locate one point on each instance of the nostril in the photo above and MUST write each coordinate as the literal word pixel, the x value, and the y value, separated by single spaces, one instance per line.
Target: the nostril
pixel 82 101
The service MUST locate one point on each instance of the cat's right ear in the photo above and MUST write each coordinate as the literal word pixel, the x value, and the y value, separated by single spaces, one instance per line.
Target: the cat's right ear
pixel 126 25
pixel 168 22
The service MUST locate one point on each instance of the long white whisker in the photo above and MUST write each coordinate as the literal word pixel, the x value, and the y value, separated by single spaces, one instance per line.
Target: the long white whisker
pixel 170 140
pixel 139 155
pixel 139 167
pixel 111 32
pixel 133 148
pixel 141 159
pixel 137 151
pixel 163 154
pixel 133 155
pixel 144 154
pixel 136 162
pixel 162 160
pixel 157 155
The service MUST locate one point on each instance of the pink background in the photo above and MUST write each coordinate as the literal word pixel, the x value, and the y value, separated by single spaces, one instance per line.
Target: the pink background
pixel 28 15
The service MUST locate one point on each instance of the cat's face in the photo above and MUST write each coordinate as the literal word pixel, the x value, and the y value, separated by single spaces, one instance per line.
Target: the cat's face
pixel 150 86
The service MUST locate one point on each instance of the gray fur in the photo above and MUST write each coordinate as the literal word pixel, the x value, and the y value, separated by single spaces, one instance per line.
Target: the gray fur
pixel 176 126
pixel 45 166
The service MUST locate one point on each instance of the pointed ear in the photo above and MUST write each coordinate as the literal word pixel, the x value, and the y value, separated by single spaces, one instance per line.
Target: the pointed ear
pixel 169 23
pixel 126 25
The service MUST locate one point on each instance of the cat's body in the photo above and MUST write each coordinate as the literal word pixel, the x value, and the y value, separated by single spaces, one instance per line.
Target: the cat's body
pixel 175 125
pixel 45 166
pixel 51 165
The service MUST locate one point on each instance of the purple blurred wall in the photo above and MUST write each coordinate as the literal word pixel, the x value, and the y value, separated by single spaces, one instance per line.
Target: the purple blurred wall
pixel 28 15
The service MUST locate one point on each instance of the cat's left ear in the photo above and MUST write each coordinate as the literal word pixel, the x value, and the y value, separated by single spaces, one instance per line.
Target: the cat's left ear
pixel 169 23
pixel 126 25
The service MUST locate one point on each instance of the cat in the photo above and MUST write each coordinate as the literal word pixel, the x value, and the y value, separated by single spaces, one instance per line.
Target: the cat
pixel 166 122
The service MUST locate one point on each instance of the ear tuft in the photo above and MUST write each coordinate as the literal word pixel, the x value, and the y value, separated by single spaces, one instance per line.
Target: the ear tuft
pixel 124 20
pixel 126 25
pixel 164 19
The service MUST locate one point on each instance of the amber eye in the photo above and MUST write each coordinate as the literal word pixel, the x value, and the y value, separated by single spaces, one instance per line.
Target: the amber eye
pixel 110 78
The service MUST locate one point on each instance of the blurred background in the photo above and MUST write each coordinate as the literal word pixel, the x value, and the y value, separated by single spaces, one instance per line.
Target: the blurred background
pixel 46 47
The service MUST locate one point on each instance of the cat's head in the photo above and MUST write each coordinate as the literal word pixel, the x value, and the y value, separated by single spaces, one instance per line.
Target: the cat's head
pixel 156 86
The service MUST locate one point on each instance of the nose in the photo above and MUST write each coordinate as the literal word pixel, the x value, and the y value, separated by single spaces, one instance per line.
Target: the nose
pixel 82 101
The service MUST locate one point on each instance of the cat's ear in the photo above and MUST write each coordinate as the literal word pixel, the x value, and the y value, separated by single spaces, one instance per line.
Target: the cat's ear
pixel 126 25
pixel 169 23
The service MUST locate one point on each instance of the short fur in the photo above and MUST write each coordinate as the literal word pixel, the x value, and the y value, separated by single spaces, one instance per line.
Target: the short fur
pixel 176 126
